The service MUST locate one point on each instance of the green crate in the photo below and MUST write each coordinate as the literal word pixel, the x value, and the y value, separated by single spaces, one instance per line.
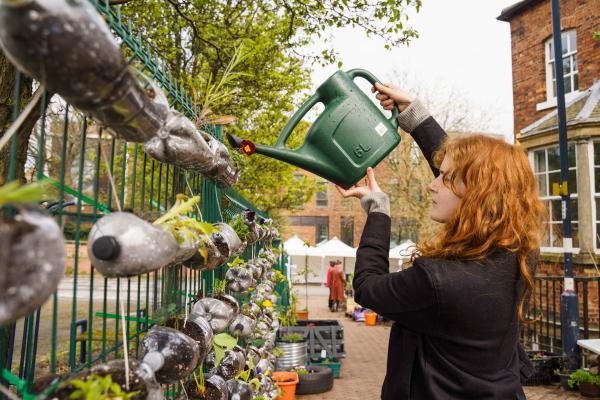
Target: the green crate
pixel 335 366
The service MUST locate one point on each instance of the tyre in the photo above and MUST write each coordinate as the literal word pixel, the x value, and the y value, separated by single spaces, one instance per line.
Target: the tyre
pixel 318 381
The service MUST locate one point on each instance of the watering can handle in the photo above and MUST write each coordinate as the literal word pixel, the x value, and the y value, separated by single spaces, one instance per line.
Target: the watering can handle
pixel 363 73
pixel 289 127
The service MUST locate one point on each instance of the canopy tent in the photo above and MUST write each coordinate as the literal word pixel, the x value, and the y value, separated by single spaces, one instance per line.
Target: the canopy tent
pixel 403 252
pixel 295 246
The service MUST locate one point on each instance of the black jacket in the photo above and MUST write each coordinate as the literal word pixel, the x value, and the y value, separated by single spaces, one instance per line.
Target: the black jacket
pixel 456 329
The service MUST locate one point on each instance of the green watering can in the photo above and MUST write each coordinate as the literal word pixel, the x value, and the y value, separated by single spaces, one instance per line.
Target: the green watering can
pixel 349 136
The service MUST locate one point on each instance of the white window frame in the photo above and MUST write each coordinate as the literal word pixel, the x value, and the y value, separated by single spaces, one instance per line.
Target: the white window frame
pixel 548 62
pixel 322 182
pixel 595 195
pixel 549 198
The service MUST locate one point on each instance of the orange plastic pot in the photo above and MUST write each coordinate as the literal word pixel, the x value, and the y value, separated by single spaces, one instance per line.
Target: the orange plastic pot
pixel 370 318
pixel 287 381
pixel 302 315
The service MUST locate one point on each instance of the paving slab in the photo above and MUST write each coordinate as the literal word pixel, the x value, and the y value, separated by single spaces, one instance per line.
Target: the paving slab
pixel 363 369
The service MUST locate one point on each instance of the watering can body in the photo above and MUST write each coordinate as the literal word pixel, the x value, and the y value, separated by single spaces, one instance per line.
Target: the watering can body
pixel 349 136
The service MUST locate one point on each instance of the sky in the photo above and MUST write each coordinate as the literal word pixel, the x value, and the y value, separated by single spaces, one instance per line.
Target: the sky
pixel 460 44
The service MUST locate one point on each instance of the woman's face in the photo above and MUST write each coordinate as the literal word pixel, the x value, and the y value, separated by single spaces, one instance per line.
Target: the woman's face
pixel 443 200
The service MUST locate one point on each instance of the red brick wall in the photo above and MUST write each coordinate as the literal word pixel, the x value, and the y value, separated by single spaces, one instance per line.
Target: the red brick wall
pixel 529 31
pixel 335 210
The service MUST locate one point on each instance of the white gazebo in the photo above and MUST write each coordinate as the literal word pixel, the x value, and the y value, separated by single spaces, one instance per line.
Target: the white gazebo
pixel 402 253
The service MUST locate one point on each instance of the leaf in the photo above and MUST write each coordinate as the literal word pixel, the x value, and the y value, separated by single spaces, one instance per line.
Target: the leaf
pixel 13 193
pixel 225 340
pixel 219 353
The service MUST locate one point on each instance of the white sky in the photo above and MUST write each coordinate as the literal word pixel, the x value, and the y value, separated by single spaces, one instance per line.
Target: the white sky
pixel 460 44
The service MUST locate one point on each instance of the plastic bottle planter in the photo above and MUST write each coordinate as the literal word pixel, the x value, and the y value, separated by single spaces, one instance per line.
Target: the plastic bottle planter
pixel 121 244
pixel 141 380
pixel 223 172
pixel 239 279
pixel 250 220
pixel 197 328
pixel 213 256
pixel 264 366
pixel 216 389
pixel 252 310
pixel 218 313
pixel 267 388
pixel 232 363
pixel 67 46
pixel 171 354
pixel 226 240
pixel 255 269
pixel 32 262
pixel 239 390
pixel 242 326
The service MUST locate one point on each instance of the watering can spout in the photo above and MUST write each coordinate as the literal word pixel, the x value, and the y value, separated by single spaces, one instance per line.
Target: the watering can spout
pixel 278 152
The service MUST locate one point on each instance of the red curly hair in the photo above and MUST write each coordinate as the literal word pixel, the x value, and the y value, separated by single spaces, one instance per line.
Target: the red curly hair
pixel 500 209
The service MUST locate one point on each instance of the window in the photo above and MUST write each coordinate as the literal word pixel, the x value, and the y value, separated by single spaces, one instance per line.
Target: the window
pixel 322 198
pixel 569 60
pixel 597 192
pixel 321 233
pixel 347 230
pixel 546 168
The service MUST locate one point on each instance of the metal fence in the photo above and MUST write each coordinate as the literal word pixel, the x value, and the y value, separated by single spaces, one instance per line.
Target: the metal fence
pixel 545 332
pixel 80 324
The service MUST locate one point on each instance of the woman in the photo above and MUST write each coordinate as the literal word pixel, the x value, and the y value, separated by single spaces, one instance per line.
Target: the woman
pixel 338 282
pixel 457 310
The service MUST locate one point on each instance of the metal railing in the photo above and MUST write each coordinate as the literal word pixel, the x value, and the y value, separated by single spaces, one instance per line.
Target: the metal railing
pixel 545 332
pixel 78 326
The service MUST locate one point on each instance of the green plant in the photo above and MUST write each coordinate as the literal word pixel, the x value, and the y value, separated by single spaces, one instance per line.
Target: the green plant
pixel 165 313
pixel 219 286
pixel 293 338
pixel 238 223
pixel 14 193
pixel 97 387
pixel 277 352
pixel 221 342
pixel 581 376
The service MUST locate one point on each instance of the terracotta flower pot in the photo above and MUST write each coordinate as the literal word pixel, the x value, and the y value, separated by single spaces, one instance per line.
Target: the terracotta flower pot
pixel 287 381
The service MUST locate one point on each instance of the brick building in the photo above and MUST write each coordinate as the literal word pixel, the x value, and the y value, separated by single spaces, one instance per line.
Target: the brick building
pixel 535 127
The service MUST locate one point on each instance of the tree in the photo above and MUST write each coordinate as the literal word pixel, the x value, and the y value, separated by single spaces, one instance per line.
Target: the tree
pixel 198 39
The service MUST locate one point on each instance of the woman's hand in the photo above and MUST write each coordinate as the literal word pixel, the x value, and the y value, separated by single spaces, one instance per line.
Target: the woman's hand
pixel 371 186
pixel 390 96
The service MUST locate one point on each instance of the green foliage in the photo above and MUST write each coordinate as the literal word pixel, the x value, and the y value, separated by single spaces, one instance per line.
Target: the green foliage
pixel 277 352
pixel 221 342
pixel 219 286
pixel 97 387
pixel 163 314
pixel 582 375
pixel 596 35
pixel 238 223
pixel 14 193
pixel 293 338
pixel 236 262
pixel 203 41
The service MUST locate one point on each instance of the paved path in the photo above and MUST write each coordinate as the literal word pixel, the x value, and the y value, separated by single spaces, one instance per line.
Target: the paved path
pixel 363 369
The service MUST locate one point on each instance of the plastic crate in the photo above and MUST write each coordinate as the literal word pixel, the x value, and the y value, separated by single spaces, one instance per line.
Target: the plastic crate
pixel 335 366
pixel 326 334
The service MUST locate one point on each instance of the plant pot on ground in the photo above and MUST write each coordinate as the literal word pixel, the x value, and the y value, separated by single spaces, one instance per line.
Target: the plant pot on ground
pixel 588 382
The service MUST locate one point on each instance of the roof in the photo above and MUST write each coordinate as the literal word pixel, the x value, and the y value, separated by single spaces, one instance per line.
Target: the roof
pixel 511 11
pixel 582 110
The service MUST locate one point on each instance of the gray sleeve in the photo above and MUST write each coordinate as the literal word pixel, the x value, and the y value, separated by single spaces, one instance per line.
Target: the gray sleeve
pixel 412 116
pixel 376 202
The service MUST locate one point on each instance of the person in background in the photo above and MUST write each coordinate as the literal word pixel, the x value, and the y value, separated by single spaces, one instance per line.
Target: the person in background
pixel 329 270
pixel 338 282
